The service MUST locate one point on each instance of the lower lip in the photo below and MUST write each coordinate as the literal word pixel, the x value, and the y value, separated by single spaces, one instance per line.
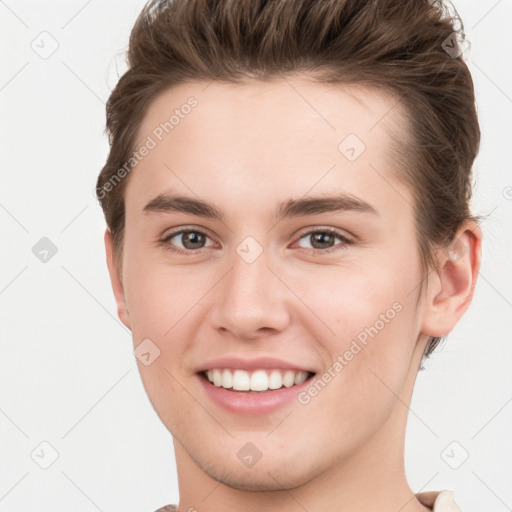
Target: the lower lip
pixel 252 404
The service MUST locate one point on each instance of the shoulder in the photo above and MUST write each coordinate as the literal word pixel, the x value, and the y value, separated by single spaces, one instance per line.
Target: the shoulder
pixel 439 501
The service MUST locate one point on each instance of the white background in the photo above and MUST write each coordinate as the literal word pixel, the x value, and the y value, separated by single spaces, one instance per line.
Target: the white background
pixel 67 372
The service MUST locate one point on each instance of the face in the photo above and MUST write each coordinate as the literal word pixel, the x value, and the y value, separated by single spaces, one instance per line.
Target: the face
pixel 327 287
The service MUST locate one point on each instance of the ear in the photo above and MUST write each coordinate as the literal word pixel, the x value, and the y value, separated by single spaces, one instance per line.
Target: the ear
pixel 450 289
pixel 115 279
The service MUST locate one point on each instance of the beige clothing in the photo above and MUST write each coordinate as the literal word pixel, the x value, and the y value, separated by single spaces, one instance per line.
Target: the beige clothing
pixel 438 501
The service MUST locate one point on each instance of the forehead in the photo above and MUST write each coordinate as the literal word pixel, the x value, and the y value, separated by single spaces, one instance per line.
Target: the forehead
pixel 284 136
pixel 297 105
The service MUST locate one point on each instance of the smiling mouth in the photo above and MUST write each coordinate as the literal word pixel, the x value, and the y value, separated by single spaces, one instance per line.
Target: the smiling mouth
pixel 255 382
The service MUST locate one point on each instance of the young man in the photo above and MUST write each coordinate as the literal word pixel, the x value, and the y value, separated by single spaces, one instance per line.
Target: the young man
pixel 288 235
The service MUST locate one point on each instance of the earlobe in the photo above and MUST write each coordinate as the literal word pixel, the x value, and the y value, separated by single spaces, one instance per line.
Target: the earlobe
pixel 454 282
pixel 115 279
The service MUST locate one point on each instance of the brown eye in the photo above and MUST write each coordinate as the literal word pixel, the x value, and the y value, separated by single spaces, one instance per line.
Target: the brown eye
pixel 324 240
pixel 320 240
pixel 190 240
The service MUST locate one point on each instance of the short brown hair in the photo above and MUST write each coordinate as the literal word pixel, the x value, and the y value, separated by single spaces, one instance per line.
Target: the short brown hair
pixel 400 46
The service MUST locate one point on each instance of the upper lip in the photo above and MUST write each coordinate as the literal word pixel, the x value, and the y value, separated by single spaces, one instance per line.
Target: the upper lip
pixel 256 363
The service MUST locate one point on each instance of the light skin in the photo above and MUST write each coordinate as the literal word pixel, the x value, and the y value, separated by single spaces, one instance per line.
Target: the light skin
pixel 246 149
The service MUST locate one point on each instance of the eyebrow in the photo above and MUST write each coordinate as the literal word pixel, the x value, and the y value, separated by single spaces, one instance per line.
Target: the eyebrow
pixel 341 202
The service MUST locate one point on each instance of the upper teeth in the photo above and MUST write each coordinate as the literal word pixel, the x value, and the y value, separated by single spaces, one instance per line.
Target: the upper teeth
pixel 259 380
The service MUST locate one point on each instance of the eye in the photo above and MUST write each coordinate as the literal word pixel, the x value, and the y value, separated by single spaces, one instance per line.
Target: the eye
pixel 322 240
pixel 191 240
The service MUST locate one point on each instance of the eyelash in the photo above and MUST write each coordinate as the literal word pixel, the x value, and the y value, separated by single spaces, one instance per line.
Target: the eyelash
pixel 329 250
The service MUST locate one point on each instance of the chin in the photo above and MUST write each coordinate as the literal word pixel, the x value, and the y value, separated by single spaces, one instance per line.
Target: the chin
pixel 264 480
pixel 273 475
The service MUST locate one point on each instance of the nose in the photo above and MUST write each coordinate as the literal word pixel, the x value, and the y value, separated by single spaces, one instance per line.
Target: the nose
pixel 251 300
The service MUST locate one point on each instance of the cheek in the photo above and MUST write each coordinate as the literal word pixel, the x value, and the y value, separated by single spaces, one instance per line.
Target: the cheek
pixel 371 318
pixel 370 363
pixel 349 298
pixel 163 311
pixel 154 294
pixel 166 305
